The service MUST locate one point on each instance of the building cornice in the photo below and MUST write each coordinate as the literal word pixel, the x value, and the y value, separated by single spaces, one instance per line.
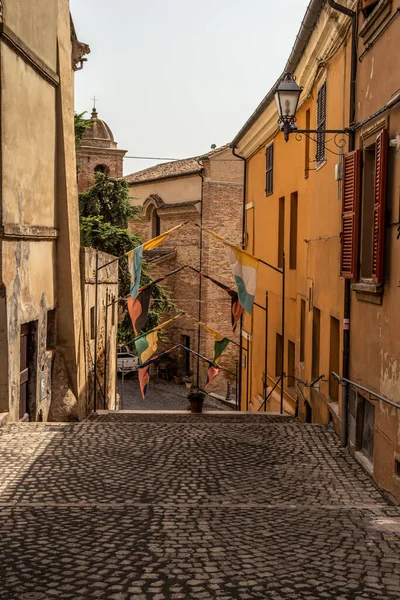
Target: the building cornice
pixel 28 56
pixel 25 232
pixel 329 33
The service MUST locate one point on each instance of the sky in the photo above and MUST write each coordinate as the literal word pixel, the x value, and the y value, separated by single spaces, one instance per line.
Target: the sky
pixel 173 77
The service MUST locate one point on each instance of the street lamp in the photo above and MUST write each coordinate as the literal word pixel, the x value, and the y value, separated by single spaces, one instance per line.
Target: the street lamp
pixel 287 96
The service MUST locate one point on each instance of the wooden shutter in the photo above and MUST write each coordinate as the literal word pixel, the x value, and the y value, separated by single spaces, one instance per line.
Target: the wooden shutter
pixel 378 239
pixel 321 123
pixel 269 170
pixel 350 213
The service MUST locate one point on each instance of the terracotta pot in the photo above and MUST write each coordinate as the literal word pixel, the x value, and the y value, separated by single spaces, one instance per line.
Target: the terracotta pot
pixel 196 406
pixel 178 379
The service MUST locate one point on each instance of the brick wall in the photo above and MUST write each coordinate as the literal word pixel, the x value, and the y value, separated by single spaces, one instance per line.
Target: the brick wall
pixel 222 212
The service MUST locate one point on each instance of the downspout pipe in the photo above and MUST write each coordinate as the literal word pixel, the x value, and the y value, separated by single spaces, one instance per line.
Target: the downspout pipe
pixel 243 241
pixel 347 291
pixel 201 268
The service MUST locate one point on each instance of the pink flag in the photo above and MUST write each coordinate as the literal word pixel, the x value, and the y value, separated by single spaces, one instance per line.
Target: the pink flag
pixel 212 373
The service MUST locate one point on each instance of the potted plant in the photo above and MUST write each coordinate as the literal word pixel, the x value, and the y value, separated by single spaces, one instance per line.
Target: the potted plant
pixel 196 398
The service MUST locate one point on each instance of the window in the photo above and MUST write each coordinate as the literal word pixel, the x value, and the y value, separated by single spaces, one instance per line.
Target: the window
pixel 281 231
pixel 291 363
pixel 269 170
pixel 367 211
pixel 293 230
pixel 372 210
pixel 302 329
pixel 307 146
pixel 321 123
pixel 102 169
pixel 278 355
pixel 334 358
pixel 155 223
pixel 316 334
pixel 92 323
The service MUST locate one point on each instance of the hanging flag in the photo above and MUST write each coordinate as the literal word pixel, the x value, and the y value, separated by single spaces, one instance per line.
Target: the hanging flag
pixel 221 341
pixel 213 371
pixel 144 378
pixel 144 371
pixel 245 271
pixel 236 309
pixel 135 258
pixel 146 344
pixel 138 308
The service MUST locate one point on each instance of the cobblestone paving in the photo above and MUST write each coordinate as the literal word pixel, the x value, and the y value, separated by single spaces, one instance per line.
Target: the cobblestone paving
pixel 160 507
pixel 161 395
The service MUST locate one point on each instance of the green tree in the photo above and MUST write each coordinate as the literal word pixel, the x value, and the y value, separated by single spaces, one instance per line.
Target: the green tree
pixel 105 211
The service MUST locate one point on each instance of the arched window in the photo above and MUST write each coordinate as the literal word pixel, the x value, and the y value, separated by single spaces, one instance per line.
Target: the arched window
pixel 102 169
pixel 155 223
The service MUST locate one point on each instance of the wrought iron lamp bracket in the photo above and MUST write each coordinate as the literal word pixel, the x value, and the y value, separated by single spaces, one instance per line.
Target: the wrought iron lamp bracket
pixel 337 137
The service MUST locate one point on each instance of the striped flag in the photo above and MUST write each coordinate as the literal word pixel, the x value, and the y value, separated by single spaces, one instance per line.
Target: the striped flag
pixel 146 344
pixel 245 271
pixel 220 343
pixel 135 258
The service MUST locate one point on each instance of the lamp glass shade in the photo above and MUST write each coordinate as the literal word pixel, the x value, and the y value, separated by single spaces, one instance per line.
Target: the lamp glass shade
pixel 287 96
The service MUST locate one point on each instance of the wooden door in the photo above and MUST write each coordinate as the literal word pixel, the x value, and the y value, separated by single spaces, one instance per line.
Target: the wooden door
pixel 25 345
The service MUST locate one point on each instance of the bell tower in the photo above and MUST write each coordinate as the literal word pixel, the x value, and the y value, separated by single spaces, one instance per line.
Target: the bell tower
pixel 98 152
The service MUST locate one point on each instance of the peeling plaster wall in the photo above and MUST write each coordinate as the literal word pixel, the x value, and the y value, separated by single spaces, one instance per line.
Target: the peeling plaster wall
pixel 375 323
pixel 39 228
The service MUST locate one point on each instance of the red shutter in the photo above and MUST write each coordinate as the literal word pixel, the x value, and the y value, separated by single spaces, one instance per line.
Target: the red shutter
pixel 378 240
pixel 350 213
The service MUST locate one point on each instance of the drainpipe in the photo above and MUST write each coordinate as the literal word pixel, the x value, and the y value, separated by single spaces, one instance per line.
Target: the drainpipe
pixel 347 292
pixel 243 240
pixel 201 269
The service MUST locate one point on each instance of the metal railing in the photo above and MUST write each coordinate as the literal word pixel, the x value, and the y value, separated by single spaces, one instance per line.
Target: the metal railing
pixel 342 380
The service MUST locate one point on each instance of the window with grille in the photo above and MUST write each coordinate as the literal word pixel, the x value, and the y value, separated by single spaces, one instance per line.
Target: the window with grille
pixel 321 124
pixel 269 170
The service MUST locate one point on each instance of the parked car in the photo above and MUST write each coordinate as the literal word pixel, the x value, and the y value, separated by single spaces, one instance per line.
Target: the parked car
pixel 126 361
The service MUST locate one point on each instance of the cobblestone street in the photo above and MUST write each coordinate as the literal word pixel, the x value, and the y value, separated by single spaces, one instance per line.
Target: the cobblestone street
pixel 161 395
pixel 179 506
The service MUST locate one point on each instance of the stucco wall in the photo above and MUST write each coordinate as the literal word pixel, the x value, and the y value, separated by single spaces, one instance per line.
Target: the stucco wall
pixel 39 236
pixel 317 271
pixel 172 190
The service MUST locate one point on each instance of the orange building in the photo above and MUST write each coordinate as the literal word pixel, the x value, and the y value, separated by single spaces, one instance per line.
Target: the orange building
pixel 293 215
pixel 318 207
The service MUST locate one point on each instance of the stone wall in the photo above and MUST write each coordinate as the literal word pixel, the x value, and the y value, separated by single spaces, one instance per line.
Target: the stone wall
pixel 219 208
pixel 107 290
